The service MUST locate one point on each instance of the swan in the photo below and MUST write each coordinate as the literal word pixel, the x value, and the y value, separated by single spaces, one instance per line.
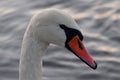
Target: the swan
pixel 50 26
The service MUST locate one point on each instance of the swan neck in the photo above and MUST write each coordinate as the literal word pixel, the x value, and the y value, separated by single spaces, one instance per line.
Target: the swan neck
pixel 31 59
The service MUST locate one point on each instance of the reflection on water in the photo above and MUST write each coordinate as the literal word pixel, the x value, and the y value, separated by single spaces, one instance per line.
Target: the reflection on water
pixel 99 21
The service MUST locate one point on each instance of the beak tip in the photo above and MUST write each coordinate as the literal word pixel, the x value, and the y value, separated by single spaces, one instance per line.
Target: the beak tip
pixel 95 67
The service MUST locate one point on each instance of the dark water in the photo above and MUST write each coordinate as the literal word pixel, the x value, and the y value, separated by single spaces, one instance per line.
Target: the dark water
pixel 99 21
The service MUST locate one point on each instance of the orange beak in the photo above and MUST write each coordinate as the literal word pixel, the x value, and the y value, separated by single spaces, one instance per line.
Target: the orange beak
pixel 77 47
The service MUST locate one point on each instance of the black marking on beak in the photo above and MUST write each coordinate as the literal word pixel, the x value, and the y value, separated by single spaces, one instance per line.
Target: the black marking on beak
pixel 80 45
pixel 70 32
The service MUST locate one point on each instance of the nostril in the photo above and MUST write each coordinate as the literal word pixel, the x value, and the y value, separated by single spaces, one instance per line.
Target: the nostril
pixel 80 45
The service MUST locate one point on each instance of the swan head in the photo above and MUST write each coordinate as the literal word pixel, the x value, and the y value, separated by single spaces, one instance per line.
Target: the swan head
pixel 57 27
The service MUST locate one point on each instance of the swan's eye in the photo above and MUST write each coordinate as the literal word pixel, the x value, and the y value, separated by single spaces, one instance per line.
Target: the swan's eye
pixel 62 26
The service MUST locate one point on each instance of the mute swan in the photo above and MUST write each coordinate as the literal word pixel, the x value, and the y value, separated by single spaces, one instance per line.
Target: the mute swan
pixel 50 26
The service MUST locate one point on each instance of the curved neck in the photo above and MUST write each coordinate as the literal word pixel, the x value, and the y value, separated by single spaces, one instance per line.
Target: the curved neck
pixel 30 60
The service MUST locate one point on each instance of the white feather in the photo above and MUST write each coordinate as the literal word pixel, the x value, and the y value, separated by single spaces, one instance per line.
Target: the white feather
pixel 42 30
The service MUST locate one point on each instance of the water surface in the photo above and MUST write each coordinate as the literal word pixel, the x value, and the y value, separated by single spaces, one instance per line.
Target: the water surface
pixel 99 21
